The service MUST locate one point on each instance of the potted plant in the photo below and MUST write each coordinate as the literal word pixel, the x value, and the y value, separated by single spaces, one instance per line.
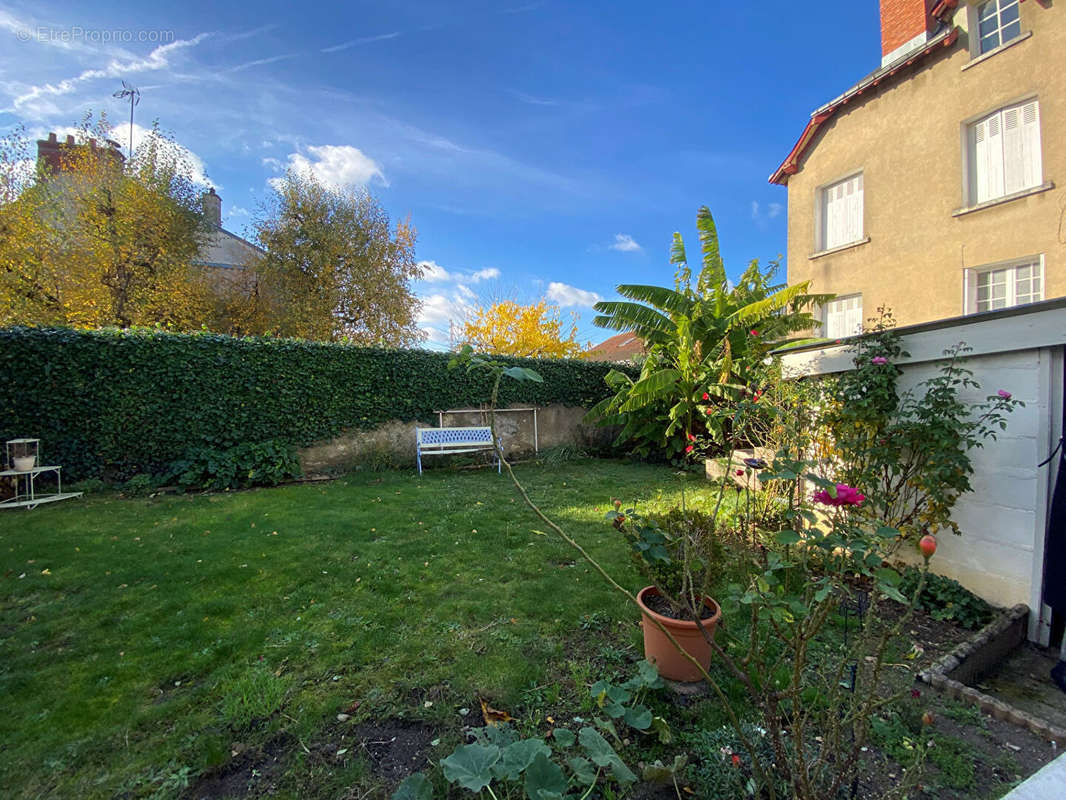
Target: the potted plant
pixel 677 553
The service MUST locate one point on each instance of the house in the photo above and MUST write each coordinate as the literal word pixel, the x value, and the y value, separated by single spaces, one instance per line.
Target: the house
pixel 219 250
pixel 623 347
pixel 933 186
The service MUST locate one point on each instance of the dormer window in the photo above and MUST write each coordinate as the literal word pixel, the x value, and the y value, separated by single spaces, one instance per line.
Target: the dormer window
pixel 997 23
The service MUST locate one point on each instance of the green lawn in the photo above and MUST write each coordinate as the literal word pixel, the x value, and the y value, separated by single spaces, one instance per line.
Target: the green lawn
pixel 142 638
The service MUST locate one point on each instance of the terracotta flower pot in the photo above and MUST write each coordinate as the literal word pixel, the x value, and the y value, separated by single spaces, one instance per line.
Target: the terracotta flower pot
pixel 660 652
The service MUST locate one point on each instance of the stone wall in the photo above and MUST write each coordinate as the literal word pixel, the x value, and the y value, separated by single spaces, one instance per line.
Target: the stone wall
pixel 393 445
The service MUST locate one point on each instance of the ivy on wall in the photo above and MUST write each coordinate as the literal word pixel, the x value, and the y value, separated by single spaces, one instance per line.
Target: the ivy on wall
pixel 116 403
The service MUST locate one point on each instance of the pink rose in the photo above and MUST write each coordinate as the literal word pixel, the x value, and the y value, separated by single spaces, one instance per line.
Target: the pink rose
pixel 846 496
pixel 1004 394
pixel 879 360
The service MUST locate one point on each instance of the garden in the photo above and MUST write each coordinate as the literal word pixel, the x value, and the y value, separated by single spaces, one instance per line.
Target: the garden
pixel 466 633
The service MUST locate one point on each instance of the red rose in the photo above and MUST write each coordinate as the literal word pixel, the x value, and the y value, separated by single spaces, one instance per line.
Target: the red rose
pixel 736 760
pixel 706 396
pixel 689 449
pixel 754 332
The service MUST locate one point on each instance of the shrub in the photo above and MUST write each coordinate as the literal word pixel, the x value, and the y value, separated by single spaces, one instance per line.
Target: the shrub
pixel 947 600
pixel 115 403
pixel 249 464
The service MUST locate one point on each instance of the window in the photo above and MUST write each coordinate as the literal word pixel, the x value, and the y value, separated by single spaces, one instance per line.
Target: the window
pixel 997 23
pixel 1005 285
pixel 1004 152
pixel 842 317
pixel 840 207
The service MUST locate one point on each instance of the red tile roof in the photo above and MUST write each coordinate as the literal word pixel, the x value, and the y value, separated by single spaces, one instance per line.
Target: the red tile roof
pixel 621 347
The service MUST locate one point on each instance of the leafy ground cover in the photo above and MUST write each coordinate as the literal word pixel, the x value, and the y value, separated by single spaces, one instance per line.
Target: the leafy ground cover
pixel 327 640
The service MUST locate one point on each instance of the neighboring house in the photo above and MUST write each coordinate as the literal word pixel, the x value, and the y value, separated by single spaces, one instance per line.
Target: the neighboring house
pixel 929 187
pixel 220 250
pixel 623 347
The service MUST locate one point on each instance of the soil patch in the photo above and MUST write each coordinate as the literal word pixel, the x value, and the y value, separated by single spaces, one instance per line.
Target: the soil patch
pixel 395 748
pixel 253 773
pixel 660 605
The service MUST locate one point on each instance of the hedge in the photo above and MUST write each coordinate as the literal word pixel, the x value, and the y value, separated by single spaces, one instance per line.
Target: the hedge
pixel 116 403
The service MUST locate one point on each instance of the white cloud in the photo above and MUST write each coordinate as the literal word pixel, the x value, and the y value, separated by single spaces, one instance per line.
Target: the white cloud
pixel 237 211
pixel 335 166
pixel 441 312
pixel 566 295
pixel 772 210
pixel 158 59
pixel 432 272
pixel 624 243
pixel 363 40
pixel 484 274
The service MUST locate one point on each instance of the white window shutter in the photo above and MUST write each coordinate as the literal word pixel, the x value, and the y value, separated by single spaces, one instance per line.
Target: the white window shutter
pixel 853 317
pixel 988 157
pixel 854 229
pixel 1013 151
pixel 1031 166
pixel 834 322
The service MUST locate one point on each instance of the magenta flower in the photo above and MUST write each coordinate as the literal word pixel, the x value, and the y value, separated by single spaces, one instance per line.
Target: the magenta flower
pixel 846 496
pixel 879 360
pixel 1004 394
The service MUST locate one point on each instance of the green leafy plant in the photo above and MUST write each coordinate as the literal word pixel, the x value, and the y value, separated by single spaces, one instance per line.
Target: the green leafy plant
pixel 699 339
pixel 249 464
pixel 504 766
pixel 722 762
pixel 140 485
pixel 678 552
pixel 945 599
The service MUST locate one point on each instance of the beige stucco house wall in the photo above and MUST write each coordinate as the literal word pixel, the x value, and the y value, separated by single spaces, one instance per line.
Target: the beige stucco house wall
pixel 905 129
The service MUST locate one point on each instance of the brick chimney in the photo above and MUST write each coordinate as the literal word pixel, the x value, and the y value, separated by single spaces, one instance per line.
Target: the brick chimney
pixel 213 207
pixel 57 156
pixel 905 25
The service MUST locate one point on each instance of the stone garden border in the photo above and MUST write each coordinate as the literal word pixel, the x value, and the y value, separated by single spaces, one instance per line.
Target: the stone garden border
pixel 977 656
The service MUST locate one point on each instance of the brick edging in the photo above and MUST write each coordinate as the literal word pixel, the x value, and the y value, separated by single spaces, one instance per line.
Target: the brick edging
pixel 972 658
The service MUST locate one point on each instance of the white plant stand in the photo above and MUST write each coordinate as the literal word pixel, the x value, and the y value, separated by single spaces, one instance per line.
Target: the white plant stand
pixel 26 494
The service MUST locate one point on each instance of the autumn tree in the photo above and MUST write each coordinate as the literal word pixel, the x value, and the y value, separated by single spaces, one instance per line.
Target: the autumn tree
pixel 334 268
pixel 91 239
pixel 537 330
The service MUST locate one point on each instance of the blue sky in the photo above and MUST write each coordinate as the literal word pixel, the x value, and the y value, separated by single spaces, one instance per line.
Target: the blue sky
pixel 541 147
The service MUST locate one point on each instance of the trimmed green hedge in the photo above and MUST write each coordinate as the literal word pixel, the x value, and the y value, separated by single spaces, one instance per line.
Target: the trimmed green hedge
pixel 116 403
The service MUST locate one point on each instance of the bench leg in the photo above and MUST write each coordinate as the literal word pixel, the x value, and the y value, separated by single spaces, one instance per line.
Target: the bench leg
pixel 418 459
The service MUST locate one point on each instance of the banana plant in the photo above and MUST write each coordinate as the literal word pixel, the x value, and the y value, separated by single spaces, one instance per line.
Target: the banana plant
pixel 702 341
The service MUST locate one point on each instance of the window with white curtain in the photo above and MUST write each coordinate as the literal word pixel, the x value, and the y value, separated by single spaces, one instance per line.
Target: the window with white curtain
pixel 1004 152
pixel 842 317
pixel 1005 285
pixel 840 213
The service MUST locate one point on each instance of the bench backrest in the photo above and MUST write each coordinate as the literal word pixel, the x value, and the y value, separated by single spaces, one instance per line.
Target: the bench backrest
pixel 481 435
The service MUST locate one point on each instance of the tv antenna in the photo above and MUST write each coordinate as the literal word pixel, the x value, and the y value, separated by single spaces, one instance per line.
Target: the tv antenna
pixel 134 94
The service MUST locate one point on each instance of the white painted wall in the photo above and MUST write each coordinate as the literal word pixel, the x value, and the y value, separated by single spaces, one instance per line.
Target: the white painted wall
pixel 1000 552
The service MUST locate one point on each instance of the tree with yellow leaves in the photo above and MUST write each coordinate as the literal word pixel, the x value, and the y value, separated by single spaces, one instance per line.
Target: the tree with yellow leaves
pixel 90 239
pixel 334 269
pixel 509 328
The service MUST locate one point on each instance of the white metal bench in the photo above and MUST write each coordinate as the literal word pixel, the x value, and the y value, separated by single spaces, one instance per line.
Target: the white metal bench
pixel 446 441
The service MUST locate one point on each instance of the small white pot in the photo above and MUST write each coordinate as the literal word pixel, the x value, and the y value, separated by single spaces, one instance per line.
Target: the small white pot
pixel 23 463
